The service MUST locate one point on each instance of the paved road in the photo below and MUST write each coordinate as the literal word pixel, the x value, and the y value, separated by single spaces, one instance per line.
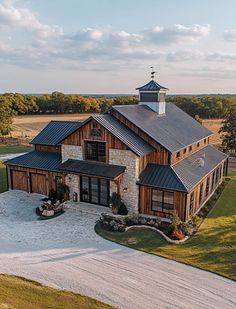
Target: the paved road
pixel 66 253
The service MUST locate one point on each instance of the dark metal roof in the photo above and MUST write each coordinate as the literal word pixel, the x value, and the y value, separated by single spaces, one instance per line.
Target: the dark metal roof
pixel 37 159
pixel 174 130
pixel 192 169
pixel 55 132
pixel 151 86
pixel 125 135
pixel 184 175
pixel 92 168
pixel 161 176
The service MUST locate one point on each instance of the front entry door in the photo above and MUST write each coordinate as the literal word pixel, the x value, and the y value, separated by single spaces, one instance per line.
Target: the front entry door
pixel 94 190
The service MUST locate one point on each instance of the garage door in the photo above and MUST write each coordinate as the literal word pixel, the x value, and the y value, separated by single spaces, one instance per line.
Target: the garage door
pixel 38 183
pixel 19 180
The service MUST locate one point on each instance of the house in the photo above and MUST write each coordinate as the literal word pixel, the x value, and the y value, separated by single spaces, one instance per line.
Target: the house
pixel 153 154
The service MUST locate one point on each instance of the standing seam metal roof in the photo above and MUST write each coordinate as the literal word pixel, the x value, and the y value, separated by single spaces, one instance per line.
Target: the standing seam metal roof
pixel 174 130
pixel 128 137
pixel 151 86
pixel 37 159
pixel 55 132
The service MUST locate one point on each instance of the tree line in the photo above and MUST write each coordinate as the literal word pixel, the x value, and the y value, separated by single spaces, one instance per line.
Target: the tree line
pixel 11 104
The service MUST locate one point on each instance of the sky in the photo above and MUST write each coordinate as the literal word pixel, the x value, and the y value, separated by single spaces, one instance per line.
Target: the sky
pixel 108 46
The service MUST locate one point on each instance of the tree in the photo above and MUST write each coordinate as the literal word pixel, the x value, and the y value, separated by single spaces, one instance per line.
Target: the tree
pixel 229 130
pixel 6 116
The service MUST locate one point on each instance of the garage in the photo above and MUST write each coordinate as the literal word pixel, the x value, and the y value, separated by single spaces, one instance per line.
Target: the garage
pixel 38 183
pixel 19 180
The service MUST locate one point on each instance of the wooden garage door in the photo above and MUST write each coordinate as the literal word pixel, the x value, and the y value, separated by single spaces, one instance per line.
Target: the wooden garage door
pixel 38 183
pixel 19 180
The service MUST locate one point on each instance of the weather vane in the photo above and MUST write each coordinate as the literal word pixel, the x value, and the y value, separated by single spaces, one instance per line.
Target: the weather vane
pixel 152 72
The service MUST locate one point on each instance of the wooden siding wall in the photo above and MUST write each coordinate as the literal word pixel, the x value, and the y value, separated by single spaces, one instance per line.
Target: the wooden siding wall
pixel 50 177
pixel 177 156
pixel 145 203
pixel 47 148
pixel 84 134
pixel 196 191
pixel 159 156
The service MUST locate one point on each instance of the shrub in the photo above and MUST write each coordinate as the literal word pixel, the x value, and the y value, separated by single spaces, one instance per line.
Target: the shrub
pixel 52 195
pixel 171 229
pixel 62 190
pixel 196 220
pixel 122 209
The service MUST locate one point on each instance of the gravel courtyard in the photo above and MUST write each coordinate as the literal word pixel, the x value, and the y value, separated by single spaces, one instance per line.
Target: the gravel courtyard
pixel 66 253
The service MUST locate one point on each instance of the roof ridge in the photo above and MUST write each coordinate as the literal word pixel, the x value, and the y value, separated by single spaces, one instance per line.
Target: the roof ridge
pixel 179 178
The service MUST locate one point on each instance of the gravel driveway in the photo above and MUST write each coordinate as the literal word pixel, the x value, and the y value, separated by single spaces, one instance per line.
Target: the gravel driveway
pixel 66 253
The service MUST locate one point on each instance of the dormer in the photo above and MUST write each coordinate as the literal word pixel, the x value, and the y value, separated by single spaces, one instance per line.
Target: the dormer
pixel 153 95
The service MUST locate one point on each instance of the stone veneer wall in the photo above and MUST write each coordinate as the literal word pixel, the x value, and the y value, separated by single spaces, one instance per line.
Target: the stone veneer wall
pixel 71 152
pixel 131 161
pixel 72 181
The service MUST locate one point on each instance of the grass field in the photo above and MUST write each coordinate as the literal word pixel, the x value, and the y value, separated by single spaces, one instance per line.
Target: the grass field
pixel 19 293
pixel 213 248
pixel 5 149
pixel 213 125
pixel 30 125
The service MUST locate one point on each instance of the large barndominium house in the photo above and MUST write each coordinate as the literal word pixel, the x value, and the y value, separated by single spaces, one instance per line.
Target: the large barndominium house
pixel 156 156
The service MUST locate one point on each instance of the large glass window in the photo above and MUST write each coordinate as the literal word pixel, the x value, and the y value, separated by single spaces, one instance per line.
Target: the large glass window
pixel 191 209
pixel 95 151
pixel 162 201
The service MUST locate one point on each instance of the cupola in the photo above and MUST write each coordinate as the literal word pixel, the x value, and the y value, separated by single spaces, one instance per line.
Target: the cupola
pixel 153 95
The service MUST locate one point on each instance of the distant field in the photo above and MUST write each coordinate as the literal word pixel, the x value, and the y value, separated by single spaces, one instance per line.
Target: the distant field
pixel 213 125
pixel 29 126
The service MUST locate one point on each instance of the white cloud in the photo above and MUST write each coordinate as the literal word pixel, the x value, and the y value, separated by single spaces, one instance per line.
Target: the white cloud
pixel 177 33
pixel 230 35
pixel 22 17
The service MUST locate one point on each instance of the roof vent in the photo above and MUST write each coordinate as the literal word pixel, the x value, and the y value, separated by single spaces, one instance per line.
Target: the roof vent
pixel 200 162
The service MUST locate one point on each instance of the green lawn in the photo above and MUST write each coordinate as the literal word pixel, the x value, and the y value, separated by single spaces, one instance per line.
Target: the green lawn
pixel 5 149
pixel 3 178
pixel 20 293
pixel 213 248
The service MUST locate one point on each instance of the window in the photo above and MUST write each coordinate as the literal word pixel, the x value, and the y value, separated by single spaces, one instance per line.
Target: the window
pixel 178 154
pixel 205 140
pixel 198 144
pixel 162 201
pixel 190 148
pixel 200 193
pixel 95 151
pixel 217 175
pixel 191 208
pixel 220 174
pixel 148 97
pixel 185 150
pixel 213 180
pixel 207 185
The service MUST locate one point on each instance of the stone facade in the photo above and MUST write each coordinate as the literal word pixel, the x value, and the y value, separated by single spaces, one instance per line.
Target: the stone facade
pixel 128 182
pixel 72 181
pixel 71 152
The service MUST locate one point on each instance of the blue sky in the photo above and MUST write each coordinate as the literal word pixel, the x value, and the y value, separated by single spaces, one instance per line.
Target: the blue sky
pixel 108 46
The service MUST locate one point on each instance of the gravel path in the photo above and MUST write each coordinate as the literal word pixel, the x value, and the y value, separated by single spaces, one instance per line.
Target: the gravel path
pixel 66 253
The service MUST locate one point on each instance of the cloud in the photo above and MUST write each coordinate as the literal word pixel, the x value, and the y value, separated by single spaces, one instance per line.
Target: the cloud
pixel 184 55
pixel 12 16
pixel 230 35
pixel 177 33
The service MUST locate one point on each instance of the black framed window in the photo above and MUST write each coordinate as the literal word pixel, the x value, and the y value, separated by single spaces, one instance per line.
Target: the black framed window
pixel 201 194
pixel 217 175
pixel 207 186
pixel 213 180
pixel 191 208
pixel 162 201
pixel 95 151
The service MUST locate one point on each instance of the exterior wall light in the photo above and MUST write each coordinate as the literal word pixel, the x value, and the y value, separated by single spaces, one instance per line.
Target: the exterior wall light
pixel 125 190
